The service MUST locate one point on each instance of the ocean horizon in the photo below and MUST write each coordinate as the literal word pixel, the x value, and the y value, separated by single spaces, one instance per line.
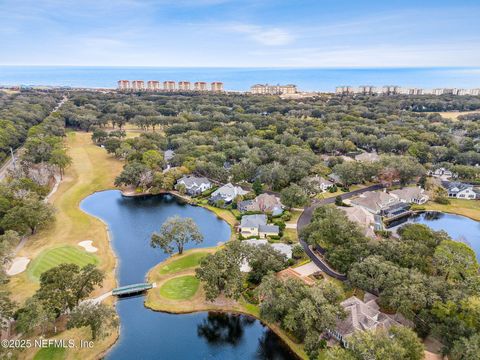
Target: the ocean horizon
pixel 240 79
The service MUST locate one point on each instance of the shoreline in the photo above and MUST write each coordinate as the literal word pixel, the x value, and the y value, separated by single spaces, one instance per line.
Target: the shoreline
pixel 446 212
pixel 234 306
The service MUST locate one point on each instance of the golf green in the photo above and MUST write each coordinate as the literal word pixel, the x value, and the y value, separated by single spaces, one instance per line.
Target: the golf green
pixel 60 255
pixel 180 288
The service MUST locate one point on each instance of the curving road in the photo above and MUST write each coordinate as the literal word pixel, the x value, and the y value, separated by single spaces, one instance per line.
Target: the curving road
pixel 306 218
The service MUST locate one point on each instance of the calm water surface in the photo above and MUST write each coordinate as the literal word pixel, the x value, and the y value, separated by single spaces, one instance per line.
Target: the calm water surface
pixel 459 228
pixel 146 334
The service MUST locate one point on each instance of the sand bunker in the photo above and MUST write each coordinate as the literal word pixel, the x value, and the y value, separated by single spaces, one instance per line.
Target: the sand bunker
pixel 87 245
pixel 19 264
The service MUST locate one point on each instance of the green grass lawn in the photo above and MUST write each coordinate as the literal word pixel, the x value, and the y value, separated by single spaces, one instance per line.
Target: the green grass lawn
pixel 180 288
pixel 53 257
pixel 51 353
pixel 185 262
pixel 469 208
pixel 290 235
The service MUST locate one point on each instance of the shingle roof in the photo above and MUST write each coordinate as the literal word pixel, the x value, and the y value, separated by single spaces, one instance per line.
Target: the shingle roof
pixel 362 316
pixel 229 191
pixel 253 220
pixel 374 200
pixel 269 228
pixel 190 181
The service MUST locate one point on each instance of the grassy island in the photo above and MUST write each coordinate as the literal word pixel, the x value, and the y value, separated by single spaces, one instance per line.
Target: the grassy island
pixel 178 291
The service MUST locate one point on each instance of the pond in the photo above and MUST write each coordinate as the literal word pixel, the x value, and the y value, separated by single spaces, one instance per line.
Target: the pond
pixel 459 228
pixel 146 334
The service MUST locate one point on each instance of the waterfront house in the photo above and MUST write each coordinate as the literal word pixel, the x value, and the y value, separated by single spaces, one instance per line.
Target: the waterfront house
pixel 411 195
pixel 374 201
pixel 262 203
pixel 395 211
pixel 256 226
pixel 461 191
pixel 194 185
pixel 227 193
pixel 362 316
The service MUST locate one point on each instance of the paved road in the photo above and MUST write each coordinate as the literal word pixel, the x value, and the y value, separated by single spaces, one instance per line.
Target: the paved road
pixel 307 214
pixel 306 217
pixel 8 164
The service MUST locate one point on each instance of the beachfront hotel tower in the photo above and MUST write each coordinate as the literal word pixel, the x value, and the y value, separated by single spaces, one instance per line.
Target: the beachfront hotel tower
pixel 123 85
pixel 273 89
pixel 184 85
pixel 216 86
pixel 200 86
pixel 153 85
pixel 138 85
pixel 169 85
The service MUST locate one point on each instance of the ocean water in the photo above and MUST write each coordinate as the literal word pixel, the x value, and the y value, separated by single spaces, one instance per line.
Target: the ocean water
pixel 240 79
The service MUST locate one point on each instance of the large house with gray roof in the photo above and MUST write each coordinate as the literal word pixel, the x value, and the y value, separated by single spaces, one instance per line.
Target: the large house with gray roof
pixel 411 195
pixel 363 316
pixel 263 203
pixel 375 201
pixel 227 193
pixel 256 226
pixel 194 185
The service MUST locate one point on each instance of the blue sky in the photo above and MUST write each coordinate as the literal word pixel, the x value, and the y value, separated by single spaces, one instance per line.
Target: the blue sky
pixel 244 33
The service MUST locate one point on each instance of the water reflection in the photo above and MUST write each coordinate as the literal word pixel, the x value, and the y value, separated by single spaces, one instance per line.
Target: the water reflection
pixel 148 335
pixel 268 348
pixel 221 329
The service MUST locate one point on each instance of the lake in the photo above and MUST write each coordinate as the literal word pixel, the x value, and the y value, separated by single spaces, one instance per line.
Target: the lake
pixel 146 334
pixel 459 228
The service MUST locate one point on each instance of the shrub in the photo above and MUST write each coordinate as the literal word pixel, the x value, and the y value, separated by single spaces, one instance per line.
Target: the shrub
pixel 297 251
pixel 443 200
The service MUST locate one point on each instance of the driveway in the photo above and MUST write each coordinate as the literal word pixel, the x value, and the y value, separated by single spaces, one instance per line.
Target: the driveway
pixel 306 218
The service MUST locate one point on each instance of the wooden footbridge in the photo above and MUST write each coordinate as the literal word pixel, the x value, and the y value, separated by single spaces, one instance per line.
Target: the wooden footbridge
pixel 132 289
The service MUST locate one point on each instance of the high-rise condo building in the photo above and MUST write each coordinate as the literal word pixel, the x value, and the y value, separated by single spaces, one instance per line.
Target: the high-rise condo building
pixel 200 86
pixel 123 85
pixel 184 85
pixel 138 85
pixel 153 85
pixel 169 85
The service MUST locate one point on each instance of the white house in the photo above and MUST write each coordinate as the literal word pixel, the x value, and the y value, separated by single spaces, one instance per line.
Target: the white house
pixel 194 185
pixel 227 193
pixel 256 226
pixel 462 191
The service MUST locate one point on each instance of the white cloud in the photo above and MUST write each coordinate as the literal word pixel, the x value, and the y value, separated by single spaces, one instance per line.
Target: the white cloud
pixel 264 35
